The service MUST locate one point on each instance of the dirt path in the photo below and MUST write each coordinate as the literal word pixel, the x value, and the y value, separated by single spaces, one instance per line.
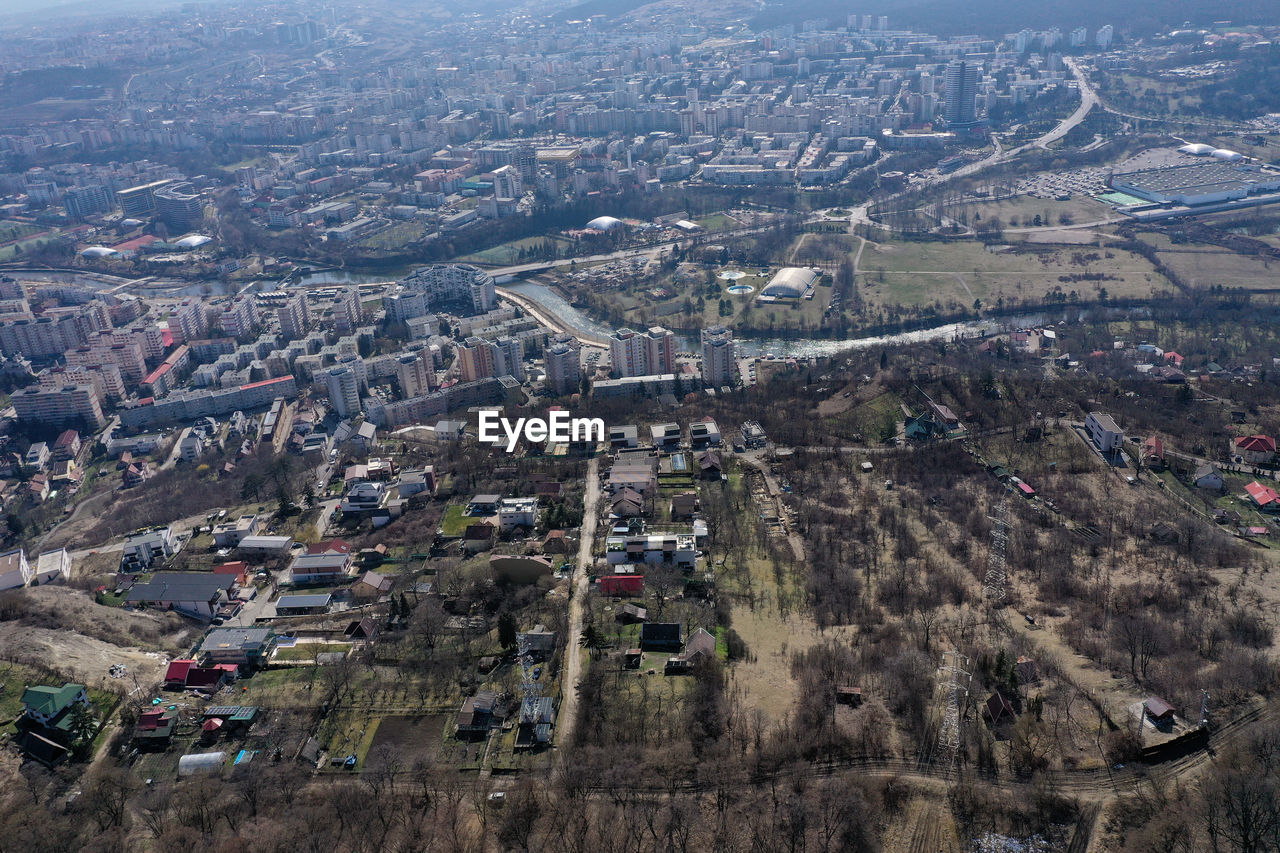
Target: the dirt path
pixel 577 599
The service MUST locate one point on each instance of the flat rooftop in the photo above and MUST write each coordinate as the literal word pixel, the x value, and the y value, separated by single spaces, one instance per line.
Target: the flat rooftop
pixel 1197 178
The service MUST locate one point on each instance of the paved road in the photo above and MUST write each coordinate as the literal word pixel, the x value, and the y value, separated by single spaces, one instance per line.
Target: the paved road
pixel 568 717
pixel 1088 100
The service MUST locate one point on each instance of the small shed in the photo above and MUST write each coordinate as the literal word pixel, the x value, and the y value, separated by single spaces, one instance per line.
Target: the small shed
pixel 998 709
pixel 1158 709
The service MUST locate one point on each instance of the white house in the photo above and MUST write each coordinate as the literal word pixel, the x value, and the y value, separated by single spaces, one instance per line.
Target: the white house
pixel 229 534
pixel 265 546
pixel 641 478
pixel 655 549
pixel 53 566
pixel 1104 432
pixel 517 512
pixel 191 447
pixel 146 547
pixel 15 571
pixel 37 457
pixel 704 433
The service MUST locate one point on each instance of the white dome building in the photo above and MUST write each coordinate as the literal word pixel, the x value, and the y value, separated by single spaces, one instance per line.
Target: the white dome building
pixel 790 283
pixel 1228 155
pixel 1197 149
pixel 193 241
pixel 97 252
pixel 604 223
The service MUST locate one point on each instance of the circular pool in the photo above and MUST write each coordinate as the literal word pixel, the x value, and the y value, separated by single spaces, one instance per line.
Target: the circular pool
pixel 730 275
pixel 740 289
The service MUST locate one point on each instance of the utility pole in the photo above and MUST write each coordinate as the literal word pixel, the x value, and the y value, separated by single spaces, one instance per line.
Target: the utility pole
pixel 997 577
pixel 958 679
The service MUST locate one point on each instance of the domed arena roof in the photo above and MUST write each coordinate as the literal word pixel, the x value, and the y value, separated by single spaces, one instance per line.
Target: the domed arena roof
pixel 604 223
pixel 1199 149
pixel 97 252
pixel 1228 154
pixel 790 283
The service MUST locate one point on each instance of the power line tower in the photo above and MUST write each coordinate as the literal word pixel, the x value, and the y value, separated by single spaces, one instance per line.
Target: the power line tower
pixel 958 678
pixel 994 585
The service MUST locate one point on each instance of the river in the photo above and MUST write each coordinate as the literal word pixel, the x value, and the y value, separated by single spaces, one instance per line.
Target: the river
pixel 575 319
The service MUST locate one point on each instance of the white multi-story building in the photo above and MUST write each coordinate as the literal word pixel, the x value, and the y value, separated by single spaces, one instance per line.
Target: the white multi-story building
pixel 517 512
pixel 1104 36
pixel 189 321
pixel 15 571
pixel 1104 432
pixel 344 391
pixel 294 316
pixel 107 348
pixel 105 379
pixel 345 310
pixel 512 352
pixel 415 374
pixel 70 404
pixel 564 368
pixel 453 285
pixel 239 317
pixel 642 353
pixel 719 357
pixel 654 549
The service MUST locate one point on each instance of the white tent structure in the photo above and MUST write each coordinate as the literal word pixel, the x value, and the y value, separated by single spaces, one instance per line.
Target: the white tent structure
pixel 201 763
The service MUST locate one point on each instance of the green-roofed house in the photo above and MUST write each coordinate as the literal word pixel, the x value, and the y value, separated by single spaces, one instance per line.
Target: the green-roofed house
pixel 48 706
pixel 50 725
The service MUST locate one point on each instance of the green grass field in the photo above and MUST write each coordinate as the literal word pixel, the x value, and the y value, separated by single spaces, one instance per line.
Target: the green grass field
pixel 717 222
pixel 455 520
pixel 509 253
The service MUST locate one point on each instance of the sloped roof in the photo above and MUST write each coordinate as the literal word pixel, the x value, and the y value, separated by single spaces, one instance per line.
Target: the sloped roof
pixel 47 700
pixel 1262 495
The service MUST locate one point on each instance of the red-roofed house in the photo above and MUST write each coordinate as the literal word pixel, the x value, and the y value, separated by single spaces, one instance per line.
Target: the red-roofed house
pixel 1153 453
pixel 622 585
pixel 1173 358
pixel 201 678
pixel 239 568
pixel 175 677
pixel 333 546
pixel 1256 449
pixel 1264 497
pixel 67 446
